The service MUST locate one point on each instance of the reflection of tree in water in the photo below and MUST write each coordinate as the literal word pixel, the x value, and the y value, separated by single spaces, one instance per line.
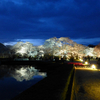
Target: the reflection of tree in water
pixel 24 73
pixel 19 72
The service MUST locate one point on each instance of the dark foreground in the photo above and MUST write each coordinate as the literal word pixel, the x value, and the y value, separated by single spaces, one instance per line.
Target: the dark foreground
pixel 56 86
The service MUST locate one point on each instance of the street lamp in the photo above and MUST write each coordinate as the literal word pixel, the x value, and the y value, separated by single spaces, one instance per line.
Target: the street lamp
pixel 86 63
pixel 93 66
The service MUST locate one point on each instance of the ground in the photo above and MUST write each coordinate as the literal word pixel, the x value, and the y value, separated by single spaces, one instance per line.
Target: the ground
pixel 87 84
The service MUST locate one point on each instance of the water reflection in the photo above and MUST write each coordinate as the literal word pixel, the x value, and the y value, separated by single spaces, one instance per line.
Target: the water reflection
pixel 15 79
pixel 20 72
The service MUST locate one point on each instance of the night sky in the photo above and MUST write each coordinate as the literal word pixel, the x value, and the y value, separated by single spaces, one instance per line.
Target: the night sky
pixel 37 20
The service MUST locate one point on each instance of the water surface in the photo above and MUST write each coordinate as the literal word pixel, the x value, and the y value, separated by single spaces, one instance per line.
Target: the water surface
pixel 16 79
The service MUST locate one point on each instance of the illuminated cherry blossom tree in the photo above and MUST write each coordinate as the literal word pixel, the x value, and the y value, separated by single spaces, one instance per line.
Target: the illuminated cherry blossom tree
pixel 61 47
pixel 89 51
pixel 97 50
pixel 24 49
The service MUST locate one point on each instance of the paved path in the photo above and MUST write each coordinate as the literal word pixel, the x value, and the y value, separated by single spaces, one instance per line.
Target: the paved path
pixel 87 84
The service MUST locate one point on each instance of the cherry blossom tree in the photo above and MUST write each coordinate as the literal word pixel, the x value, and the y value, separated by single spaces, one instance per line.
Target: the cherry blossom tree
pixel 24 49
pixel 61 47
pixel 97 50
pixel 89 51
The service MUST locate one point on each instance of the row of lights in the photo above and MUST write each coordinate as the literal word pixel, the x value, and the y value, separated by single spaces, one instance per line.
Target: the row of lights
pixel 86 63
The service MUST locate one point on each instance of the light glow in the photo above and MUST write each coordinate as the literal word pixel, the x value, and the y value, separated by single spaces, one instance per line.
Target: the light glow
pixel 93 66
pixel 81 60
pixel 86 62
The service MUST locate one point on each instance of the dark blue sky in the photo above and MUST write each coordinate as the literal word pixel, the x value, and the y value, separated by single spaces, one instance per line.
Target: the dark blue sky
pixel 29 20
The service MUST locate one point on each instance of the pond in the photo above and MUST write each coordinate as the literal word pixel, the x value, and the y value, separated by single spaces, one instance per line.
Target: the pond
pixel 16 79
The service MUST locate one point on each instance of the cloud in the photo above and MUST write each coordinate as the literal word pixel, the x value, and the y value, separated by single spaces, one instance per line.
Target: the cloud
pixel 10 43
pixel 42 19
pixel 35 42
pixel 84 41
